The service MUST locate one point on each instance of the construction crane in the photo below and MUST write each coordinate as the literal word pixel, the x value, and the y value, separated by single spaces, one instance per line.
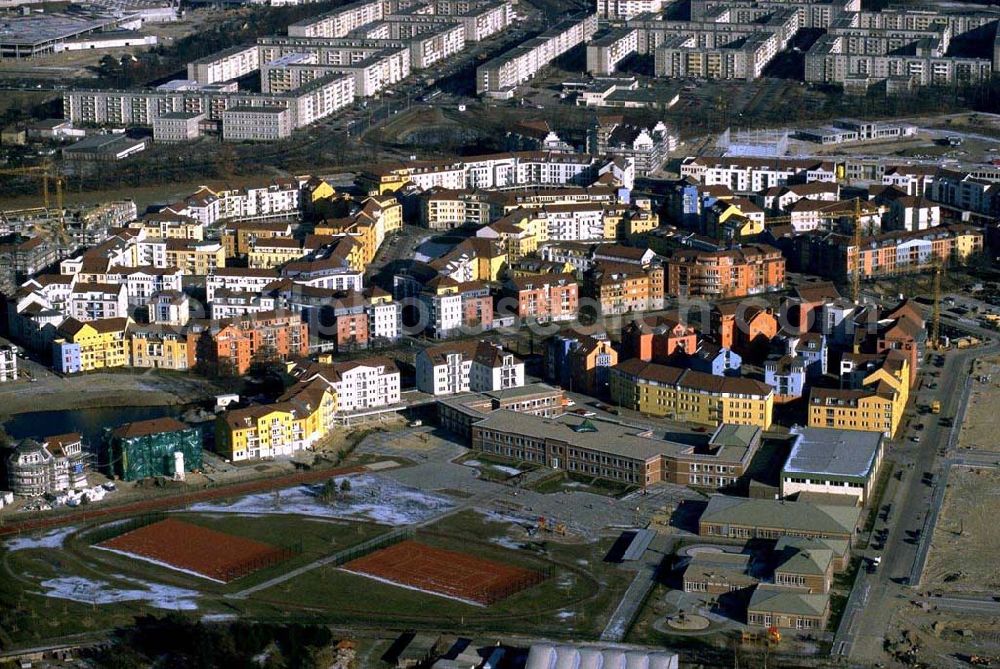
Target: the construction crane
pixel 47 174
pixel 935 342
pixel 856 216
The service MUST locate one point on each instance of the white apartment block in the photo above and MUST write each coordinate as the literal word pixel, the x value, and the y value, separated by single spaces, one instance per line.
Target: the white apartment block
pixel 372 383
pixel 226 65
pixel 228 304
pixel 374 64
pixel 501 76
pixel 340 22
pixel 141 283
pixel 445 369
pixel 170 308
pixel 8 364
pixel 604 53
pixel 238 280
pixel 96 301
pixel 620 10
pixel 178 126
pixel 445 311
pixel 494 369
pixel 259 124
pixel 751 175
pixel 480 20
pixel 514 170
pixel 384 320
pixel 573 222
pixel 308 104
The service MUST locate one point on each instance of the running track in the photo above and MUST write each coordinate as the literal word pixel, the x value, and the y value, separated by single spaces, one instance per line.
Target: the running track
pixel 173 501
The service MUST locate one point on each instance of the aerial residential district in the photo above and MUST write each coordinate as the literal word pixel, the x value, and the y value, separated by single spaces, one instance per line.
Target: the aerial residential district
pixel 500 334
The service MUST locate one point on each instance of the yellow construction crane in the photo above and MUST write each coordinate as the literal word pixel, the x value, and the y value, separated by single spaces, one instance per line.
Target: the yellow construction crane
pixel 857 216
pixel 935 341
pixel 47 174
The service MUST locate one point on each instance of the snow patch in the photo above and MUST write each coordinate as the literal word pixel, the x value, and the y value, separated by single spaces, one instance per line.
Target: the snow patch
pixel 375 498
pixel 565 615
pixel 53 539
pixel 507 542
pixel 506 470
pixel 86 591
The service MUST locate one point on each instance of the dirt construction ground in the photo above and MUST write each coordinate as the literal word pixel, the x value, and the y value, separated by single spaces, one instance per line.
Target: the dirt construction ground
pixel 982 421
pixel 965 545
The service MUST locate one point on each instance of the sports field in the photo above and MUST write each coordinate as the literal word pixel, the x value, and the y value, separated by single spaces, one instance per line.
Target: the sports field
pixel 443 572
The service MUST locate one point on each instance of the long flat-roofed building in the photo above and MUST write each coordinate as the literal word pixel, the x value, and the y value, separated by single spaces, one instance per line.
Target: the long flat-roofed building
pixel 743 518
pixel 840 462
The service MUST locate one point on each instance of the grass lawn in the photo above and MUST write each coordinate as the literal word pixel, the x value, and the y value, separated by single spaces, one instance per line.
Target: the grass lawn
pixel 580 483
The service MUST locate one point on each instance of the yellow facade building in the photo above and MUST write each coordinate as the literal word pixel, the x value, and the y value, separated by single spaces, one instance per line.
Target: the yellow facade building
pixel 877 406
pixel 195 258
pixel 688 395
pixel 91 346
pixel 157 347
pixel 298 420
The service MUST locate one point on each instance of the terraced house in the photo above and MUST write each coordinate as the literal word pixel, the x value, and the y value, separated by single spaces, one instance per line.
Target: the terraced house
pixel 86 347
pixel 688 395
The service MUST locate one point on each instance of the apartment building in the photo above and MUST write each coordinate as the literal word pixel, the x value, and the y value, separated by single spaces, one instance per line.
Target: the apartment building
pixel 232 345
pixel 194 258
pixel 238 236
pixel 374 65
pixel 501 171
pixel 499 78
pixel 226 65
pixel 624 288
pixel 605 52
pixel 659 338
pixel 832 255
pixel 97 301
pixel 748 270
pixel 94 345
pixel 161 347
pixel 264 123
pixel 239 280
pixel 580 362
pixel 877 406
pixel 363 386
pixel 688 395
pixel 751 175
pixel 311 102
pixel 552 297
pixel 341 21
pixel 295 422
pixel 48 467
pixel 459 367
pixel 646 147
pixel 622 10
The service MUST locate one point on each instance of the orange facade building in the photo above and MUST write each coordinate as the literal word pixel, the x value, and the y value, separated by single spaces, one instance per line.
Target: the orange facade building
pixel 749 270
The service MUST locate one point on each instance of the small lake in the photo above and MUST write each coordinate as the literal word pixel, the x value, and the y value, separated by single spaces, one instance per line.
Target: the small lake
pixel 88 422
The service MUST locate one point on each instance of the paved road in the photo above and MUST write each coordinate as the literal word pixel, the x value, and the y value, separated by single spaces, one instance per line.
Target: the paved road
pixel 913 513
pixel 631 602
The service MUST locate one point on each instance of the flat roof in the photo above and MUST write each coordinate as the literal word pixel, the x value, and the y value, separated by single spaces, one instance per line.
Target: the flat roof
pixel 37 29
pixel 848 453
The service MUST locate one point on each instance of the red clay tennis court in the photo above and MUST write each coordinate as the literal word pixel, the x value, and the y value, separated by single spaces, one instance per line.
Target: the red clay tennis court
pixel 443 572
pixel 193 548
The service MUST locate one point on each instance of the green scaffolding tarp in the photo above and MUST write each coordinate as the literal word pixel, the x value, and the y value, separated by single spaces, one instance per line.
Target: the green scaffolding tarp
pixel 134 458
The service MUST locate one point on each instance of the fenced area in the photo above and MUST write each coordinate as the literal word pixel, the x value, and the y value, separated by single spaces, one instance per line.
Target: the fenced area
pixel 197 550
pixel 446 573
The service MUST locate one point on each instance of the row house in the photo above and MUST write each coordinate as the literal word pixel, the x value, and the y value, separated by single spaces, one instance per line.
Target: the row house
pixel 779 198
pixel 553 297
pixel 748 270
pixel 350 320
